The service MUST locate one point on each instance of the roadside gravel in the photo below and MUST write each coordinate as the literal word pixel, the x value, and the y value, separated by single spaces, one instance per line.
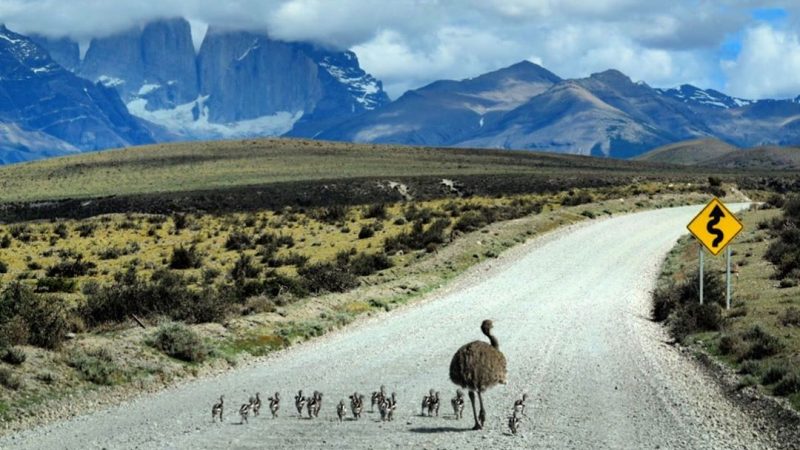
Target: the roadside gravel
pixel 571 312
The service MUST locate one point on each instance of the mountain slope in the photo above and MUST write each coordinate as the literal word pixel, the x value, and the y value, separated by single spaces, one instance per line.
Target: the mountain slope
pixel 447 112
pixel 689 153
pixel 568 118
pixel 49 110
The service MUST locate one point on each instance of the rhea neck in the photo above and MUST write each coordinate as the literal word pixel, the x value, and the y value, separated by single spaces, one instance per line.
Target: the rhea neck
pixel 493 340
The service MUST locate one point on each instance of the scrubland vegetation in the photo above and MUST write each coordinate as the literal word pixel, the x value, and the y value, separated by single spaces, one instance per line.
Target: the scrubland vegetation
pixel 760 336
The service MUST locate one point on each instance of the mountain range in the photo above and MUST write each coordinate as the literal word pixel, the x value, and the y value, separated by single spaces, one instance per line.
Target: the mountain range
pixel 149 84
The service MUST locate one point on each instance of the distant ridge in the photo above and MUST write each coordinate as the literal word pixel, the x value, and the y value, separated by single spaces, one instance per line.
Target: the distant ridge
pixel 689 153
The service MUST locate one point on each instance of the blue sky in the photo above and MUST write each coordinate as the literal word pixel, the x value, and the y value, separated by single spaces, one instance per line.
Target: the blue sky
pixel 746 48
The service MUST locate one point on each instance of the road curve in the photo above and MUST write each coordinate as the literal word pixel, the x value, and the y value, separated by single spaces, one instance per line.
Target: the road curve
pixel 570 311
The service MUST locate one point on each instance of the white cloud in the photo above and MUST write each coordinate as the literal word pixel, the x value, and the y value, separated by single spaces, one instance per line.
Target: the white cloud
pixel 409 43
pixel 767 66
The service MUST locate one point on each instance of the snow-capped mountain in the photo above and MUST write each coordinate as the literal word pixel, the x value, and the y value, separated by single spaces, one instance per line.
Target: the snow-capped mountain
pixel 238 83
pixel 605 114
pixel 703 97
pixel 45 110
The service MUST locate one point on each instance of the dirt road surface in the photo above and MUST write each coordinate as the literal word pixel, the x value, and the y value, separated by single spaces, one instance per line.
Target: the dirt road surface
pixel 571 313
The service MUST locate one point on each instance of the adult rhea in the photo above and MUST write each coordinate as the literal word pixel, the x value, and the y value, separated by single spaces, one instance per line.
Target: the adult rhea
pixel 477 366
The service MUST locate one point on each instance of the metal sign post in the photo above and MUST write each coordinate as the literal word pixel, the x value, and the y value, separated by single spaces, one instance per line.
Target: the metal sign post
pixel 701 274
pixel 728 280
pixel 715 227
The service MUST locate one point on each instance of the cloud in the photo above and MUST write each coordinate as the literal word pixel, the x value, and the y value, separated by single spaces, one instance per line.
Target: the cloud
pixel 767 65
pixel 409 43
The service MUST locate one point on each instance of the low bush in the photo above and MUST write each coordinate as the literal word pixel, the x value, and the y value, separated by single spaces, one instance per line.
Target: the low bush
pixel 96 366
pixel 41 320
pixel 790 384
pixel 791 317
pixel 365 264
pixel 238 241
pixel 166 293
pixel 85 229
pixel 9 379
pixel 14 356
pixel 680 304
pixel 376 211
pixel 71 267
pixel 327 277
pixel 3 267
pixel 419 237
pixel 5 241
pixel 185 258
pixel 471 221
pixel 180 342
pixel 761 344
pixel 575 199
pixel 366 232
pixel 784 252
pixel 731 344
pixel 774 373
pixel 52 285
pixel 291 259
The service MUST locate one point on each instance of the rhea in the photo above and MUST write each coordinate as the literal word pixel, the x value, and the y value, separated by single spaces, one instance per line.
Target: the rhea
pixel 216 410
pixel 477 366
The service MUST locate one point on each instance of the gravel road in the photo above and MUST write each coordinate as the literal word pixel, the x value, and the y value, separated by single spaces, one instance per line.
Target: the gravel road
pixel 571 313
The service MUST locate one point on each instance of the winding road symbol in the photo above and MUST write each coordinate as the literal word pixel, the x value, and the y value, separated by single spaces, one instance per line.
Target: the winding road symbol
pixel 716 215
pixel 715 226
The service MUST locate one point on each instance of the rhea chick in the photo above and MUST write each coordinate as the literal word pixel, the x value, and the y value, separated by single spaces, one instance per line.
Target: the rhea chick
pixel 216 409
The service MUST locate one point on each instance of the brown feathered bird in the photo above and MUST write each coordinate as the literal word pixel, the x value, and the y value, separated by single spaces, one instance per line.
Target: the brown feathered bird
pixel 477 366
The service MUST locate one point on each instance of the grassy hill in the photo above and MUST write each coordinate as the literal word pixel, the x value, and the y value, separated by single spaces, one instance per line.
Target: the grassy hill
pixel 760 158
pixel 689 153
pixel 191 166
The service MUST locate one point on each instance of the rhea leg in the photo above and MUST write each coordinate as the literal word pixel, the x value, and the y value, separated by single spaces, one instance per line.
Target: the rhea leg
pixel 478 424
pixel 482 415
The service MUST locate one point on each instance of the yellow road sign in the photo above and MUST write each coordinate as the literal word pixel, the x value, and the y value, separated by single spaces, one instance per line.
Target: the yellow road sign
pixel 715 226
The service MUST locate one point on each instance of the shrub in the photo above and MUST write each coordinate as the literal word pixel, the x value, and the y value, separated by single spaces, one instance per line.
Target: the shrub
pixel 14 356
pixel 85 229
pixel 13 331
pixel 43 318
pixel 180 342
pixel 366 232
pixel 51 285
pixel 238 241
pixel 588 214
pixel 773 374
pixel 791 317
pixel 70 268
pixel 790 384
pixel 327 277
pixel 761 344
pixel 96 366
pixel 419 237
pixel 181 221
pixel 749 367
pixel 731 345
pixel 61 230
pixel 331 215
pixel 574 199
pixel 376 211
pixel 185 258
pixel 5 242
pixel 9 379
pixel 243 268
pixel 166 293
pixel 471 221
pixel 3 267
pixel 364 264
pixel 292 259
pixel 714 181
pixel 784 252
pixel 680 303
